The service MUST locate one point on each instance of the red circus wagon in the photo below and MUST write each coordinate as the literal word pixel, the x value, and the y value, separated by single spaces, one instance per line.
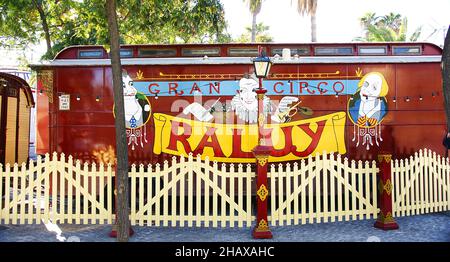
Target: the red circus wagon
pixel 354 99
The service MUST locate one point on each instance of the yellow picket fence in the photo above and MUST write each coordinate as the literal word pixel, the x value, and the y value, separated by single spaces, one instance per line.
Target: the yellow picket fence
pixel 421 184
pixel 323 189
pixel 192 192
pixel 56 190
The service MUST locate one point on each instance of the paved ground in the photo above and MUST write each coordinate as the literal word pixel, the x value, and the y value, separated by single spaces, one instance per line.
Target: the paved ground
pixel 422 228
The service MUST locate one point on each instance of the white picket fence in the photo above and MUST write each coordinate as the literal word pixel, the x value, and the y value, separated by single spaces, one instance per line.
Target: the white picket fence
pixel 181 193
pixel 421 184
pixel 56 190
pixel 191 192
pixel 322 189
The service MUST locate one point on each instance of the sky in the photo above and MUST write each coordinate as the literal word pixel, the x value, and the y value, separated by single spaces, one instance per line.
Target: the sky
pixel 337 20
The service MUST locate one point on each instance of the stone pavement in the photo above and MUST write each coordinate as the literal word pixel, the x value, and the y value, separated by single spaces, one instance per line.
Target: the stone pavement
pixel 421 228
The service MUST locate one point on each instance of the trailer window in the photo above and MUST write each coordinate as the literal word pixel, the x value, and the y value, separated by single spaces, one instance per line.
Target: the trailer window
pixel 333 50
pixel 156 52
pixel 372 50
pixel 294 51
pixel 90 53
pixel 243 51
pixel 406 50
pixel 200 51
pixel 126 52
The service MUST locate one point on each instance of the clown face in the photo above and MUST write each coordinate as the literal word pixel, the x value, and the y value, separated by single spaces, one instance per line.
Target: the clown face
pixel 371 87
pixel 247 93
pixel 128 89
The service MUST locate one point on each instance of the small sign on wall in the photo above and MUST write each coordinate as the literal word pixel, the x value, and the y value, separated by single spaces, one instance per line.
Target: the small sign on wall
pixel 64 102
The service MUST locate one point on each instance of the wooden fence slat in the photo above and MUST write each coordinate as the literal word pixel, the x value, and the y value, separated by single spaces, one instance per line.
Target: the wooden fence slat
pixel 273 194
pixel 296 174
pixel 110 195
pixel 435 183
pixel 413 172
pixel 303 192
pixel 397 187
pixel 141 194
pixel 318 191
pixel 360 190
pixel 422 186
pixel 93 192
pixel 240 195
pixel 85 215
pixel 190 193
pixel 311 177
pixel 288 193
pixel 353 188
pixel 70 190
pixel 173 199
pixel 150 175
pixel 207 177
pixel 23 193
pixel 14 191
pixel 426 182
pixel 375 189
pixel 198 193
pixel 7 208
pixel 249 195
pixel 77 192
pixel 347 209
pixel 325 171
pixel 132 176
pixel 407 188
pixel 101 206
pixel 281 173
pixel 39 185
pixel 367 182
pixel 60 167
pixel 165 215
pixel 215 195
pixel 416 184
pixel 440 183
pixel 31 198
pixel 333 212
pixel 223 183
pixel 157 192
pixel 340 212
pixel 232 210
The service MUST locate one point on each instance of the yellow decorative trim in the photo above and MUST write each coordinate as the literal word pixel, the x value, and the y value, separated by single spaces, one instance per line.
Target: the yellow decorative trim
pixel 46 78
pixel 262 192
pixel 359 72
pixel 388 187
pixel 386 219
pixel 261 119
pixel 262 161
pixel 386 157
pixel 385 187
pixel 261 96
pixel 262 226
pixel 139 75
pixel 315 75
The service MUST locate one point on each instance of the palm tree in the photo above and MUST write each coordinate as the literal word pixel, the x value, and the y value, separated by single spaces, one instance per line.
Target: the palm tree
pixel 388 28
pixel 255 8
pixel 262 35
pixel 309 7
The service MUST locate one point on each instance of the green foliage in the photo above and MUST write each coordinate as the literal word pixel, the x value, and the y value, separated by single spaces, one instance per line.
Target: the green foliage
pixel 74 22
pixel 389 28
pixel 262 36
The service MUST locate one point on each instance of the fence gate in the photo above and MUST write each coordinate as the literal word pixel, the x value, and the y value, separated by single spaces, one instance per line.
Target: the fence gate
pixel 421 184
pixel 322 189
pixel 192 192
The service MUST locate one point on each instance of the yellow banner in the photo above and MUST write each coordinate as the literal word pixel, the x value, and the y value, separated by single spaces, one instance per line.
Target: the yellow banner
pixel 234 142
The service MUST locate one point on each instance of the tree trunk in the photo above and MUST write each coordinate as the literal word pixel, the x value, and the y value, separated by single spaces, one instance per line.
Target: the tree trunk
pixel 313 27
pixel 43 16
pixel 446 76
pixel 122 208
pixel 253 40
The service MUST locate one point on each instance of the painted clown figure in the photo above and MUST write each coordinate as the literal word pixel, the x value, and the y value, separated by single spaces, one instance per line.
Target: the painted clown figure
pixel 367 108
